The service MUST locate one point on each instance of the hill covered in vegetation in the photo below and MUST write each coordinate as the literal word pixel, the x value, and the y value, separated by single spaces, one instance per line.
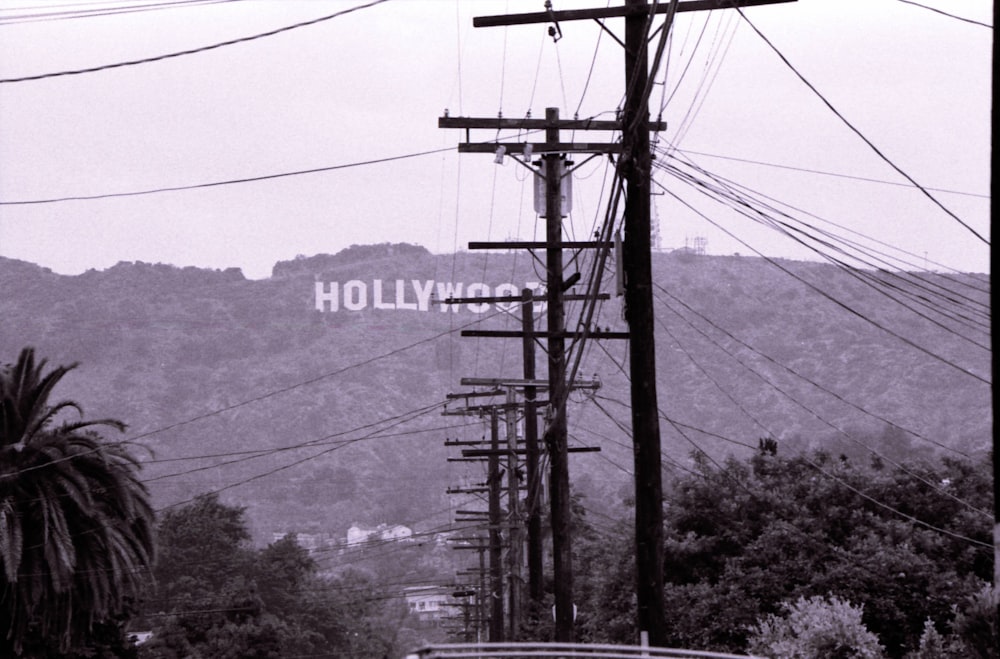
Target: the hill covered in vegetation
pixel 314 397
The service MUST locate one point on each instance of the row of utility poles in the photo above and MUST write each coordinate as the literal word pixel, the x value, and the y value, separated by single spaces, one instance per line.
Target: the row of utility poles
pixel 553 167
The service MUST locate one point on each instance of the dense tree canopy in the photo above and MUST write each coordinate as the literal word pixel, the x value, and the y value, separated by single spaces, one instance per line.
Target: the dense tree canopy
pixel 905 544
pixel 217 597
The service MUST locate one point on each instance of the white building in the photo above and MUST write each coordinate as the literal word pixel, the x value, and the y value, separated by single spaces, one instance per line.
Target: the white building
pixel 358 534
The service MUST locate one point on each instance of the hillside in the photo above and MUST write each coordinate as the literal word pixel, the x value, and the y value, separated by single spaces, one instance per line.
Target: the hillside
pixel 247 387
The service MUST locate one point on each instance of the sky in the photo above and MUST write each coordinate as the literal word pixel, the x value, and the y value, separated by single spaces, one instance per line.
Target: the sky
pixel 370 84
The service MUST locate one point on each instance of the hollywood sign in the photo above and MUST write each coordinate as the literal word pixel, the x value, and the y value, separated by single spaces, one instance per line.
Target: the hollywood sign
pixel 416 295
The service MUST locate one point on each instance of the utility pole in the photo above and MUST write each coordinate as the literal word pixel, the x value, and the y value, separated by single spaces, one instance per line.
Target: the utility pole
pixel 552 153
pixel 480 593
pixel 535 581
pixel 514 536
pixel 556 428
pixel 496 569
pixel 996 397
pixel 493 516
pixel 636 248
pixel 638 292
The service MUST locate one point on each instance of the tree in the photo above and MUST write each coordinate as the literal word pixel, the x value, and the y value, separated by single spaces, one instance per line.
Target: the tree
pixel 219 597
pixel 743 538
pixel 204 589
pixel 816 628
pixel 76 525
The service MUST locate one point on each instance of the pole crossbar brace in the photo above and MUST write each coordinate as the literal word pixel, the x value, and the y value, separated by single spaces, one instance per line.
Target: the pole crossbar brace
pixel 517 334
pixel 517 383
pixel 612 12
pixel 510 300
pixel 538 244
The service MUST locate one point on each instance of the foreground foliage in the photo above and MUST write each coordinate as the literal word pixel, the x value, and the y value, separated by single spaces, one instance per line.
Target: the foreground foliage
pixel 219 598
pixel 745 541
pixel 76 527
pixel 816 627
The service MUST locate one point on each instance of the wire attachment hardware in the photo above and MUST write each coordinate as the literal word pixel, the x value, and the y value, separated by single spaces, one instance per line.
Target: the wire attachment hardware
pixel 554 30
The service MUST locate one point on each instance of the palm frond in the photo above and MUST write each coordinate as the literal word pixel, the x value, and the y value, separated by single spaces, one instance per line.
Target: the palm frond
pixel 76 525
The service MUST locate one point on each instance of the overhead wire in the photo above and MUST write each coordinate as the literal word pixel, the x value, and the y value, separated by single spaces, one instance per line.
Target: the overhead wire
pixel 770 383
pixel 823 173
pixel 708 76
pixel 190 51
pixel 857 131
pixel 743 200
pixel 590 72
pixel 256 399
pixel 662 415
pixel 944 13
pixel 325 440
pixel 840 303
pixel 800 233
pixel 813 464
pixel 930 296
pixel 791 370
pixel 876 255
pixel 96 12
pixel 263 474
pixel 213 184
pixel 978 544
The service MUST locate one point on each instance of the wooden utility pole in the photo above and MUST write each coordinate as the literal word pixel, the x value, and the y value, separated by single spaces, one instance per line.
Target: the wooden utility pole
pixel 556 427
pixel 496 552
pixel 535 575
pixel 480 546
pixel 636 250
pixel 512 451
pixel 552 153
pixel 638 287
pixel 514 524
pixel 996 396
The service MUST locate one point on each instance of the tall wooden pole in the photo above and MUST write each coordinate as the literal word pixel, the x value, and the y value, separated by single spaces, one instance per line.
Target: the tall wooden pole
pixel 496 553
pixel 638 299
pixel 996 397
pixel 639 314
pixel 514 535
pixel 556 430
pixel 535 583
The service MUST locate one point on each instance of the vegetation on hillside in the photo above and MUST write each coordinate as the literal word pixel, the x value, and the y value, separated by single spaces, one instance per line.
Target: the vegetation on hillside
pixel 742 350
pixel 870 506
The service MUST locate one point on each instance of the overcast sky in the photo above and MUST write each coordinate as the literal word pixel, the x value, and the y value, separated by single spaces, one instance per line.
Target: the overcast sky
pixel 372 83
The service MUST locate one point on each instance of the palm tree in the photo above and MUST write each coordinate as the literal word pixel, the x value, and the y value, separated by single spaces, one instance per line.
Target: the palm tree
pixel 76 525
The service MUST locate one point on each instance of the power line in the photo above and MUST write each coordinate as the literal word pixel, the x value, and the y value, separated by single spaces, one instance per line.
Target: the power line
pixel 757 212
pixel 323 441
pixel 800 404
pixel 213 184
pixel 192 51
pixel 98 12
pixel 316 442
pixel 787 368
pixel 270 472
pixel 825 173
pixel 831 298
pixel 269 394
pixel 898 262
pixel 944 13
pixel 857 132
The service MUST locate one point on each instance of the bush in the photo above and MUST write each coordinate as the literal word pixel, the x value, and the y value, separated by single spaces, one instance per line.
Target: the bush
pixel 816 628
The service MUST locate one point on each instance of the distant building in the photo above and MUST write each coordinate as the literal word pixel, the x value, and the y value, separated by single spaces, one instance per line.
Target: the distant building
pixel 428 603
pixel 358 534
